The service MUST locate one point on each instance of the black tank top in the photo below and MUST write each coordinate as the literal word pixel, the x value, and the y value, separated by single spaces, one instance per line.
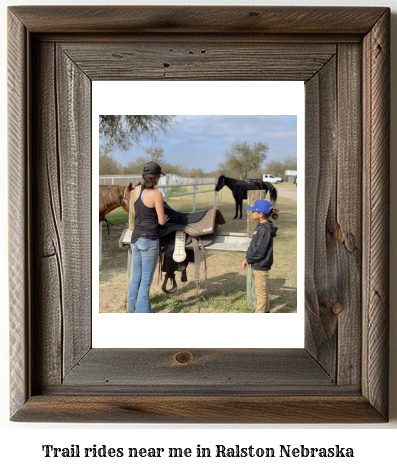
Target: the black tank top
pixel 146 221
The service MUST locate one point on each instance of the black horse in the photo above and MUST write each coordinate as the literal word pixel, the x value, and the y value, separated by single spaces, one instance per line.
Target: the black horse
pixel 260 184
pixel 240 187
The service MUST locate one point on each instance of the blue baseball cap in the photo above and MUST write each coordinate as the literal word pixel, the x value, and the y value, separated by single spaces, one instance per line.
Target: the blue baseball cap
pixel 262 206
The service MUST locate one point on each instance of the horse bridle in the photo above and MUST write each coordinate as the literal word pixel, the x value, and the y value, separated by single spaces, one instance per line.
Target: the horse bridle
pixel 124 200
pixel 219 187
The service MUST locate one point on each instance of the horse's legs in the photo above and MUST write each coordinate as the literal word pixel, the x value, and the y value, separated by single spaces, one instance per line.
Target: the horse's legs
pixel 235 217
pixel 241 209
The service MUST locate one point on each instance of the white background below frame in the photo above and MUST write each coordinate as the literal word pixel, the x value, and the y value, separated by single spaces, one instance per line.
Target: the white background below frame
pixel 215 330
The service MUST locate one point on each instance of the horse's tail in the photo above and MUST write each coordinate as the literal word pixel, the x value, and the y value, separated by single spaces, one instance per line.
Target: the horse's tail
pixel 273 193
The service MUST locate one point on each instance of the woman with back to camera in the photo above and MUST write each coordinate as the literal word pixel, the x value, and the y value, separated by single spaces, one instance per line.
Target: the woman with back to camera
pixel 148 207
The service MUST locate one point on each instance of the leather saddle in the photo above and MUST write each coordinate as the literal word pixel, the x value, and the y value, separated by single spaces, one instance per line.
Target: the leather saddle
pixel 184 231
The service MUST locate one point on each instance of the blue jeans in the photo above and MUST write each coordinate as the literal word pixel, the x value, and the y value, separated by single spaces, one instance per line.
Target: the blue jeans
pixel 145 253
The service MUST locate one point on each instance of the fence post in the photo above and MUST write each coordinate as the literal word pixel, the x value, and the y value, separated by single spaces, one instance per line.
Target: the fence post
pixel 214 196
pixel 130 213
pixel 251 295
pixel 252 196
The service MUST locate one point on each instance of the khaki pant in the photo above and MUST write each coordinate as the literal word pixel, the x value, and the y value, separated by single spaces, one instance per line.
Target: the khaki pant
pixel 261 291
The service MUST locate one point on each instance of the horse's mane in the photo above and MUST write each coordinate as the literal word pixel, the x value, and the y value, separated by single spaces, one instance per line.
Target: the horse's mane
pixel 108 194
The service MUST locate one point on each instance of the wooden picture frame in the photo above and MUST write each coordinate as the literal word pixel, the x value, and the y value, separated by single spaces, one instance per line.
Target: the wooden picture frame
pixel 342 54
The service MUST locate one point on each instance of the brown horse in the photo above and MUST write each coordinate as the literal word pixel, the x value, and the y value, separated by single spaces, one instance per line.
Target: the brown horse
pixel 113 196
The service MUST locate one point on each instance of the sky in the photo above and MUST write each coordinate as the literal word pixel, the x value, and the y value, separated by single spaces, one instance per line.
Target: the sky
pixel 202 140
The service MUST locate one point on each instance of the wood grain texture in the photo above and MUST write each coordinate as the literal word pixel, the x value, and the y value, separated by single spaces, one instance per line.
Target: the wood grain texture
pixel 209 59
pixel 62 198
pixel 18 213
pixel 198 409
pixel 347 223
pixel 47 227
pixel 341 376
pixel 246 370
pixel 193 19
pixel 334 215
pixel 376 143
pixel 73 114
pixel 321 275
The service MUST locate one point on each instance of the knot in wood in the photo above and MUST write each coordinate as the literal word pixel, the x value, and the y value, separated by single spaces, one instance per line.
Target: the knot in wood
pixel 338 235
pixel 183 358
pixel 350 243
pixel 337 308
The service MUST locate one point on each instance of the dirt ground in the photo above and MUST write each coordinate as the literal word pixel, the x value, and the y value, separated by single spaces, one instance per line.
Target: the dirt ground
pixel 287 193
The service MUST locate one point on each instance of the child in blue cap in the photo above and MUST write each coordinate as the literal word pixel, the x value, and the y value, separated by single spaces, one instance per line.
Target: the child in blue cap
pixel 260 251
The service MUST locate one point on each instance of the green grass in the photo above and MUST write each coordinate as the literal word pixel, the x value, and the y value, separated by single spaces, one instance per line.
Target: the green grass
pixel 177 190
pixel 117 217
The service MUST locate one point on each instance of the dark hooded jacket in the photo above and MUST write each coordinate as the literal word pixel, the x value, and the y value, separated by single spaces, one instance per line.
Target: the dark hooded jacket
pixel 260 251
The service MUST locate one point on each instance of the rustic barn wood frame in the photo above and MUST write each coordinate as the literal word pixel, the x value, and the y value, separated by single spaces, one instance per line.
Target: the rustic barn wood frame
pixel 342 54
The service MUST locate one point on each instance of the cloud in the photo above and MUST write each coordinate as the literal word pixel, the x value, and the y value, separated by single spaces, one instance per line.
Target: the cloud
pixel 202 140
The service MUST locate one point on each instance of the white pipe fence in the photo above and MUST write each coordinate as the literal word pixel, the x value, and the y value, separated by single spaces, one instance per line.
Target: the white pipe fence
pixel 167 181
pixel 194 192
pixel 119 179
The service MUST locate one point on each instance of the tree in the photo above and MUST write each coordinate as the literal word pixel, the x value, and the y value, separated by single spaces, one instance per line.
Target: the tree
pixel 135 167
pixel 291 163
pixel 278 168
pixel 224 169
pixel 156 154
pixel 153 153
pixel 197 173
pixel 107 164
pixel 244 157
pixel 124 131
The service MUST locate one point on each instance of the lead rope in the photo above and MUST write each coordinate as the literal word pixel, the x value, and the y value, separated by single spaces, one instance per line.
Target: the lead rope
pixel 107 223
pixel 110 223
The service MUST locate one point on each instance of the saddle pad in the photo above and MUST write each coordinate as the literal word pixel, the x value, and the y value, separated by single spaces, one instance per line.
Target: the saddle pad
pixel 176 217
pixel 204 226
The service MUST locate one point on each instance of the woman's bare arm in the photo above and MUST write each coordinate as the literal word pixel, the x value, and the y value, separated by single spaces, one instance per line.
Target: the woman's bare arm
pixel 159 205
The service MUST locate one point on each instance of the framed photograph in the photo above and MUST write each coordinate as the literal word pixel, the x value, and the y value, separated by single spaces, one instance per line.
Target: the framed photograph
pixel 342 56
pixel 203 130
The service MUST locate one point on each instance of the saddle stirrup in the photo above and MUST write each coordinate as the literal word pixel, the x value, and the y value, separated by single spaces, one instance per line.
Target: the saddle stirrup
pixel 173 288
pixel 179 254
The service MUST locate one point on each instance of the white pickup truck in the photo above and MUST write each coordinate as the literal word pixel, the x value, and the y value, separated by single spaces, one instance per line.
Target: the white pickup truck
pixel 271 178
